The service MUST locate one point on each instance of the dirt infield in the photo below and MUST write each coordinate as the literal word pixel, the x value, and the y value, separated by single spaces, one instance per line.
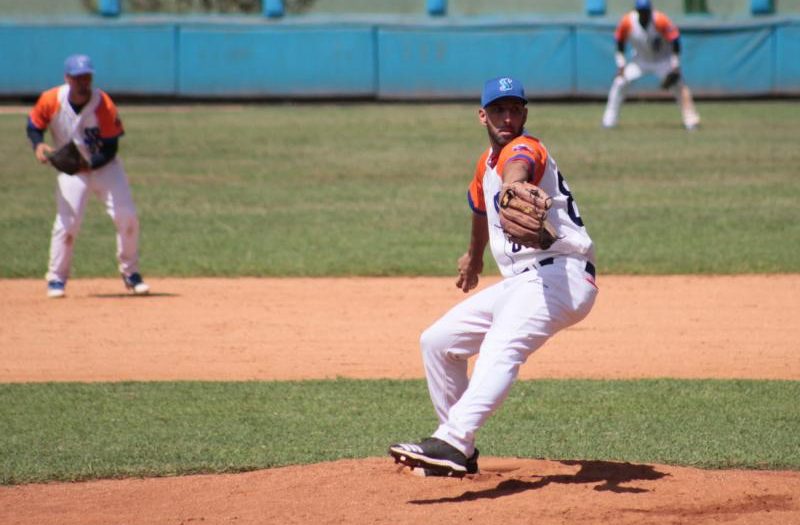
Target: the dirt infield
pixel 240 329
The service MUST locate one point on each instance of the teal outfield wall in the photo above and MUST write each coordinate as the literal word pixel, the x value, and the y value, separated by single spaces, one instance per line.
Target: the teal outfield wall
pixel 387 59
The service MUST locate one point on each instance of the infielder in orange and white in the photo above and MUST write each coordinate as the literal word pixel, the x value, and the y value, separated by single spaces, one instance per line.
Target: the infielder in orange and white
pixel 74 111
pixel 543 290
pixel 656 50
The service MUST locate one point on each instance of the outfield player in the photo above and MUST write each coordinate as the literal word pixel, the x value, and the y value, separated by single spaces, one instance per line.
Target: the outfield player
pixel 656 50
pixel 74 111
pixel 543 291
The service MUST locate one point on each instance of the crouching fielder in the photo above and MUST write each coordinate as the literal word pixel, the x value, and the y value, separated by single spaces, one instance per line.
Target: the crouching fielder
pixel 656 50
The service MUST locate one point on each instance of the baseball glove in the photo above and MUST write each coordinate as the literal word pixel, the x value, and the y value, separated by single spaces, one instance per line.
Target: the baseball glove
pixel 671 79
pixel 523 215
pixel 67 159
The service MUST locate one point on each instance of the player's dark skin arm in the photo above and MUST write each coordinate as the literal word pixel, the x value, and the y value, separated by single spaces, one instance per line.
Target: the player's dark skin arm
pixel 516 171
pixel 470 265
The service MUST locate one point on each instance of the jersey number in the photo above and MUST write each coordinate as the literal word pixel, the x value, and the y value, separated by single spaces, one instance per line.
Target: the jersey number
pixel 92 139
pixel 572 208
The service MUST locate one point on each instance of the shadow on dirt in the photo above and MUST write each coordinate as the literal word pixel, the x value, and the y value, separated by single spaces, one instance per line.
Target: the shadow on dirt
pixel 128 295
pixel 610 476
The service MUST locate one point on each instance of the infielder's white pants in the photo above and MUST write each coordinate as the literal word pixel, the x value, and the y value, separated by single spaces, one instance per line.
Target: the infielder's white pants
pixel 504 324
pixel 110 184
pixel 633 71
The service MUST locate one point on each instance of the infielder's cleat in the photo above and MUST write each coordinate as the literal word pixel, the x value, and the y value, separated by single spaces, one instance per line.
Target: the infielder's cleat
pixel 691 121
pixel 135 284
pixel 56 289
pixel 607 124
pixel 432 454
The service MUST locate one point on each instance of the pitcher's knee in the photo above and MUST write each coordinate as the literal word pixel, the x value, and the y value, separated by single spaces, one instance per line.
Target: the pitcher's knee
pixel 434 341
pixel 427 340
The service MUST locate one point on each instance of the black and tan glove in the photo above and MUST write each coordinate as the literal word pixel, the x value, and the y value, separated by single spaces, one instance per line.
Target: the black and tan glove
pixel 523 215
pixel 68 159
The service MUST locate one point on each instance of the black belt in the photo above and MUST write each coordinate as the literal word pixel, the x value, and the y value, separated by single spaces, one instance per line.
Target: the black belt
pixel 550 260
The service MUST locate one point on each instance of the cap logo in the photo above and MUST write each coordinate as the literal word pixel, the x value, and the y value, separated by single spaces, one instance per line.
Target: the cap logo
pixel 501 87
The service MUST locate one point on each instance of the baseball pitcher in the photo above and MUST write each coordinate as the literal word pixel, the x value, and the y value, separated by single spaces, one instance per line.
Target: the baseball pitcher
pixel 524 210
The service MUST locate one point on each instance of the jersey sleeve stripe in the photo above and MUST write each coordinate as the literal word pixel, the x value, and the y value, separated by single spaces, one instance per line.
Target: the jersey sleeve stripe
pixel 525 157
pixel 474 206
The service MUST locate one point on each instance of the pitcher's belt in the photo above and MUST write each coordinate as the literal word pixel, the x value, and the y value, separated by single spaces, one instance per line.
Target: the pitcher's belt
pixel 550 260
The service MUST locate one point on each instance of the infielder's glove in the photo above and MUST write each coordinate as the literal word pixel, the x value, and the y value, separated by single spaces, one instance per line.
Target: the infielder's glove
pixel 68 159
pixel 523 215
pixel 671 79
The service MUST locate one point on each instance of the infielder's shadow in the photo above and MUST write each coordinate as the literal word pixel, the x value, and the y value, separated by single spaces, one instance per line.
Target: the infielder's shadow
pixel 611 475
pixel 124 295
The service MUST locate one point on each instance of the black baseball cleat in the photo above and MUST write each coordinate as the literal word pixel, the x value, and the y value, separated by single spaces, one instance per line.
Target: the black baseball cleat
pixel 434 455
pixel 472 468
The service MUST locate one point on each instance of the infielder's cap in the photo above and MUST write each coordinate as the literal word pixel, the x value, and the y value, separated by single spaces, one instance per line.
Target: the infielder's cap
pixel 644 4
pixel 78 65
pixel 502 87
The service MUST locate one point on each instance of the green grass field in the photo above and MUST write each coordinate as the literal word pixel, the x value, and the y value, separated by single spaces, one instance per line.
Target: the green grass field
pixel 82 431
pixel 379 189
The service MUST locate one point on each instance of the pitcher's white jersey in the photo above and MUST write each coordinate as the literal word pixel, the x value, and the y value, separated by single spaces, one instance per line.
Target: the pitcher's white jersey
pixel 513 258
pixel 652 43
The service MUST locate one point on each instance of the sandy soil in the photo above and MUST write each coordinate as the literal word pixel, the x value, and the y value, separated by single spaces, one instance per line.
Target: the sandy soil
pixel 240 329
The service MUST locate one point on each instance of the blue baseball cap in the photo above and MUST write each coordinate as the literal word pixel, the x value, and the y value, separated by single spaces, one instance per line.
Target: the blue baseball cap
pixel 502 87
pixel 78 65
pixel 644 4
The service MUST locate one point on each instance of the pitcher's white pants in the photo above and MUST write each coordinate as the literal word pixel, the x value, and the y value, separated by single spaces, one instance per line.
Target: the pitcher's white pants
pixel 110 184
pixel 504 324
pixel 633 71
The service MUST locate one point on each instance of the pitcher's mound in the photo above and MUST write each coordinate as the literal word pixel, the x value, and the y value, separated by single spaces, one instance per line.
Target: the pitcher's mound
pixel 375 490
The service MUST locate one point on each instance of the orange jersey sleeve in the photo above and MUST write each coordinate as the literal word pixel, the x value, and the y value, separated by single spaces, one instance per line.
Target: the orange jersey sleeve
pixel 623 29
pixel 107 118
pixel 527 149
pixel 47 106
pixel 475 190
pixel 665 26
